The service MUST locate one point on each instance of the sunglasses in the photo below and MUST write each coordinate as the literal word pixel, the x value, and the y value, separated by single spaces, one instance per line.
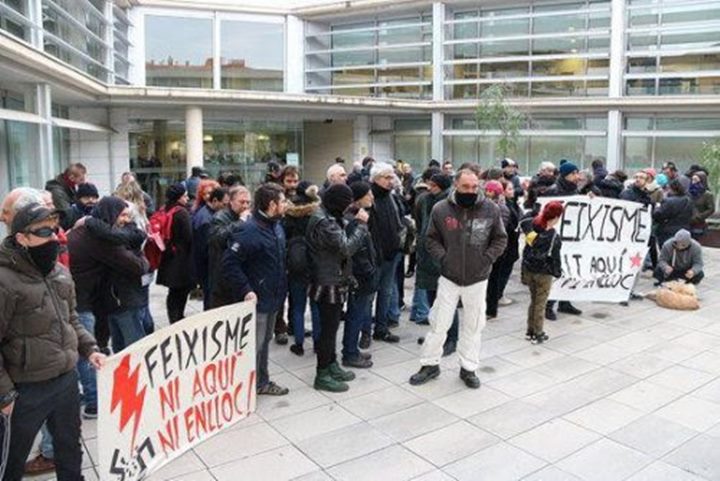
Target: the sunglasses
pixel 44 232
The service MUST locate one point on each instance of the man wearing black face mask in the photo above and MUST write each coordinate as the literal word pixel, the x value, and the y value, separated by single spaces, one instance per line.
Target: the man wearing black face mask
pixel 41 339
pixel 465 235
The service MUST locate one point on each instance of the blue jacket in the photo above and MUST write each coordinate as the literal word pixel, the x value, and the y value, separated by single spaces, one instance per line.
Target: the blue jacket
pixel 201 221
pixel 255 261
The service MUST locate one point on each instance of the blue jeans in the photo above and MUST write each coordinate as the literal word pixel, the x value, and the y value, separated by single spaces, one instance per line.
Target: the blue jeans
pixel 386 307
pixel 264 322
pixel 359 317
pixel 420 305
pixel 126 327
pixel 86 372
pixel 148 322
pixel 297 293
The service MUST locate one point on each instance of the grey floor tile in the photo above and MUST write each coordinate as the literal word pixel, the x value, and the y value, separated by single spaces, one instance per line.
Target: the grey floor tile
pixel 646 396
pixel 604 416
pixel 659 471
pixel 245 442
pixel 554 440
pixel 653 435
pixel 314 422
pixel 453 442
pixel 500 462
pixel 344 444
pixel 511 418
pixel 414 421
pixel 382 402
pixel 280 464
pixel 700 456
pixel 681 378
pixel 522 383
pixel 469 402
pixel 692 412
pixel 392 464
pixel 551 473
pixel 604 460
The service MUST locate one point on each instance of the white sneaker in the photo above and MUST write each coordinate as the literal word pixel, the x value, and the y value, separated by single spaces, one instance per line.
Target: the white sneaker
pixel 505 301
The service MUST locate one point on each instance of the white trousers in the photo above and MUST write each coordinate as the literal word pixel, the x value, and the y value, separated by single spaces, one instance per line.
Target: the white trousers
pixel 472 322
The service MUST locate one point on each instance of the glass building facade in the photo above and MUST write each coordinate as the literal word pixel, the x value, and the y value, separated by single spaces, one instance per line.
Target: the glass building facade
pixel 633 82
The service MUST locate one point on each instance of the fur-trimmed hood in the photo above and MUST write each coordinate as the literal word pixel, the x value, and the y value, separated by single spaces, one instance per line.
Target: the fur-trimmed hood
pixel 301 210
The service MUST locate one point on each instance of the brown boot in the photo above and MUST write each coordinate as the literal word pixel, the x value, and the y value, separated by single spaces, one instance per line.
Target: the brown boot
pixel 39 465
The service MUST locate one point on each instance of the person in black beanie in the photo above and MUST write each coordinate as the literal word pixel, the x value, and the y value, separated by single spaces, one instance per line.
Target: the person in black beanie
pixel 175 271
pixel 330 252
pixel 365 273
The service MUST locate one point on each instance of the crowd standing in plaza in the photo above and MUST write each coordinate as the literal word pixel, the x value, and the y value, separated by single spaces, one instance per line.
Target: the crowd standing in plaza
pixel 76 267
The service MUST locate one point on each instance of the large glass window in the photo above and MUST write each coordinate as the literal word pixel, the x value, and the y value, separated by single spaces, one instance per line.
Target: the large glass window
pixel 672 48
pixel 559 50
pixel 380 57
pixel 178 52
pixel 412 142
pixel 252 55
pixel 13 18
pixel 158 151
pixel 650 141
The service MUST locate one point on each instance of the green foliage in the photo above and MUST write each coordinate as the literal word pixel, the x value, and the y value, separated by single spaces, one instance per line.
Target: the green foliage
pixel 710 159
pixel 494 113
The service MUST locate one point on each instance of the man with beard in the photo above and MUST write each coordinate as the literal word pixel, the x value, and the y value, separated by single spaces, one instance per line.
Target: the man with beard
pixel 510 172
pixel 253 267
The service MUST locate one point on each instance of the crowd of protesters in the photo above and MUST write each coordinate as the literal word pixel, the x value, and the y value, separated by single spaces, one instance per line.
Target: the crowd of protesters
pixel 340 251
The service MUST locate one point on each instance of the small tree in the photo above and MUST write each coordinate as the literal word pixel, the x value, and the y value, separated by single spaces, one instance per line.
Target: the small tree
pixel 494 113
pixel 710 159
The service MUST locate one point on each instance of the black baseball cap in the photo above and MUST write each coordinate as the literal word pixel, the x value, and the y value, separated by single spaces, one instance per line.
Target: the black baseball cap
pixel 29 215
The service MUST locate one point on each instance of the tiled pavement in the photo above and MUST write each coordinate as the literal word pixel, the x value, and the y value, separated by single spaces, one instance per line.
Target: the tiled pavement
pixel 619 393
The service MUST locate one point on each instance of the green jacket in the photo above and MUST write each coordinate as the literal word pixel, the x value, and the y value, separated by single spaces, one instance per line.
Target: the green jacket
pixel 704 207
pixel 40 334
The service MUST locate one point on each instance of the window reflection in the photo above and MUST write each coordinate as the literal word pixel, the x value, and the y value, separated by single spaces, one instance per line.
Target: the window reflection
pixel 252 55
pixel 178 52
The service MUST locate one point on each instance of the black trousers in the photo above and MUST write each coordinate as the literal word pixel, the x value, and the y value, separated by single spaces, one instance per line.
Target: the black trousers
pixel 327 344
pixel 499 277
pixel 57 401
pixel 175 302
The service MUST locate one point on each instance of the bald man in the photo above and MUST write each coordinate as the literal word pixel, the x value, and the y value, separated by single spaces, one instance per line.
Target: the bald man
pixel 336 175
pixel 16 200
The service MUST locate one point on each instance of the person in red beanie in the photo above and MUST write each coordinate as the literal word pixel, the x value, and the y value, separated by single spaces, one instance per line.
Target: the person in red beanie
pixel 540 265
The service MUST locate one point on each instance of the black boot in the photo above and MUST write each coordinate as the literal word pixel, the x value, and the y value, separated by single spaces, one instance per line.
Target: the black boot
pixel 469 378
pixel 566 308
pixel 550 314
pixel 425 374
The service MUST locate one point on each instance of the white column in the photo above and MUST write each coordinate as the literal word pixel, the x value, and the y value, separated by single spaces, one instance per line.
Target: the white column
pixel 617 84
pixel 194 137
pixel 614 143
pixel 437 141
pixel 110 40
pixel 217 60
pixel 35 16
pixel 617 48
pixel 294 55
pixel 43 106
pixel 438 51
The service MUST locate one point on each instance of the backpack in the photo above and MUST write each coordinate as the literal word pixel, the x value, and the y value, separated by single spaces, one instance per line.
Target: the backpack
pixel 536 258
pixel 298 257
pixel 159 235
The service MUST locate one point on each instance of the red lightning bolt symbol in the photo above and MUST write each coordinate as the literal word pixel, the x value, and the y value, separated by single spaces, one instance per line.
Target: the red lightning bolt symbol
pixel 125 393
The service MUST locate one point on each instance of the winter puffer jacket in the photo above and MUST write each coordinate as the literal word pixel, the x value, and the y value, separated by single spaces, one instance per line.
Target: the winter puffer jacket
pixel 674 213
pixel 466 241
pixel 40 334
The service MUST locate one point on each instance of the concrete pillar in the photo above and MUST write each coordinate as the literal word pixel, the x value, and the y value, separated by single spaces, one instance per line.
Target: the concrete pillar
pixel 614 140
pixel 361 137
pixel 194 137
pixel 437 141
pixel 617 48
pixel 46 153
pixel 295 55
pixel 35 16
pixel 438 53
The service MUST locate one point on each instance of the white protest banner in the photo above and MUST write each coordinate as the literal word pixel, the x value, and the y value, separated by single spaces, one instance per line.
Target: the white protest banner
pixel 174 389
pixel 604 242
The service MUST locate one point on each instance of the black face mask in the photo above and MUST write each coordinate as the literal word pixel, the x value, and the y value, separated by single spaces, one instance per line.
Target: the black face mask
pixel 466 199
pixel 45 256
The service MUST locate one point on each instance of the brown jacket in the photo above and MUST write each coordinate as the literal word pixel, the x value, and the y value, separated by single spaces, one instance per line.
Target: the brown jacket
pixel 466 241
pixel 40 334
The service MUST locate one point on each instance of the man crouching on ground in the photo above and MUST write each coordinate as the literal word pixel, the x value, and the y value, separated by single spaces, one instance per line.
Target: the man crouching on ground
pixel 465 235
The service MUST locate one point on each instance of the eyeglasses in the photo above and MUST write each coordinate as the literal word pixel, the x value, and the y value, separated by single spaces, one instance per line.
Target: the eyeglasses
pixel 44 232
